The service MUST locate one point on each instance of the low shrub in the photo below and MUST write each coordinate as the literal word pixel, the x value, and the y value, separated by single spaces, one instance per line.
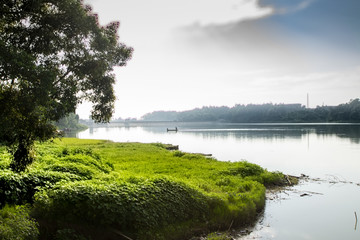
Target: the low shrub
pixel 178 154
pixel 16 224
pixel 80 170
pixel 5 158
pixel 81 161
pixel 139 208
pixel 244 169
pixel 53 164
pixel 18 188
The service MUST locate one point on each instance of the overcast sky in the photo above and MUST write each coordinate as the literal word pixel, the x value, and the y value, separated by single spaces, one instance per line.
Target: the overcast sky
pixel 194 53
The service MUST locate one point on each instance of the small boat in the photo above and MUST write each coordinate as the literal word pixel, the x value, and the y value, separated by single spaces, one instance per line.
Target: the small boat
pixel 172 129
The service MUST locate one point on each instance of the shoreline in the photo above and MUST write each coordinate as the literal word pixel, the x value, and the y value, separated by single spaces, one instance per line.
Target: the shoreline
pixel 214 194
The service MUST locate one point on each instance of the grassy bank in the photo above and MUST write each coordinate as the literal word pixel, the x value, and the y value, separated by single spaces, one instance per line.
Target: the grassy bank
pixel 92 189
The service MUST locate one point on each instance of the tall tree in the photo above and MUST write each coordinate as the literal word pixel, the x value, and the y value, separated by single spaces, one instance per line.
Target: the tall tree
pixel 53 55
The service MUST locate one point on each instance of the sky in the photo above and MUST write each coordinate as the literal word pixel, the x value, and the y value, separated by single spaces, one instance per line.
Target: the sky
pixel 194 53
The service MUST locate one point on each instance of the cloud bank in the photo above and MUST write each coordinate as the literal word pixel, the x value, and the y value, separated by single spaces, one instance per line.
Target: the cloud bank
pixel 190 53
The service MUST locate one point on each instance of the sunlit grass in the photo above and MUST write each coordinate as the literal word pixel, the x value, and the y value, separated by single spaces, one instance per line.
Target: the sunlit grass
pixel 140 189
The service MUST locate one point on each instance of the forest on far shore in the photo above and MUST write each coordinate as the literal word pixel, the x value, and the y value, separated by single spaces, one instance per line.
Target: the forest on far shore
pixel 258 113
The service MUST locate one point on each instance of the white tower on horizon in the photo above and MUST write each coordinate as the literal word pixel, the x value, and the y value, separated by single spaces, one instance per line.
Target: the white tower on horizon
pixel 307 100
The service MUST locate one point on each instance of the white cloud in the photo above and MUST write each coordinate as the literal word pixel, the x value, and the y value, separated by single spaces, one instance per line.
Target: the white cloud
pixel 298 7
pixel 219 59
pixel 178 12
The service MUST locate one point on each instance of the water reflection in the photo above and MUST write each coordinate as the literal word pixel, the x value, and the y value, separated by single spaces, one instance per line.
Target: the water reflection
pixel 268 131
pixel 223 130
pixel 326 212
pixel 311 149
pixel 249 133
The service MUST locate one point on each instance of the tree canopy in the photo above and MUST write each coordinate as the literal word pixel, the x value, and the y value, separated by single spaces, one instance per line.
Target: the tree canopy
pixel 53 55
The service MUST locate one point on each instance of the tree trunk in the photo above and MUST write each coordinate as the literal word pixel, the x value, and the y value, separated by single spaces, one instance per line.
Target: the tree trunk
pixel 22 157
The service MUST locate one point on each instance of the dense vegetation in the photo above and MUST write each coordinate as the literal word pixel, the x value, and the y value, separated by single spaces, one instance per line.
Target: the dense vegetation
pixel 348 112
pixel 92 189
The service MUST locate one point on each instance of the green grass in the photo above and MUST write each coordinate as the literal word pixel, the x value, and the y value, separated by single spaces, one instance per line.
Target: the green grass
pixel 142 191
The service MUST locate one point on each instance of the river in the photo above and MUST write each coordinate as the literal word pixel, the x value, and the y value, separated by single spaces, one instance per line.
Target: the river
pixel 322 207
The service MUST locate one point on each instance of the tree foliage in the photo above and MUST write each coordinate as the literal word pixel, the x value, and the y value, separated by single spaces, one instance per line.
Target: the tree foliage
pixel 53 55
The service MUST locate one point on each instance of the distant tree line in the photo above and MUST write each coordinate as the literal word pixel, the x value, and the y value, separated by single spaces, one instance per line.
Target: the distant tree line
pixel 259 113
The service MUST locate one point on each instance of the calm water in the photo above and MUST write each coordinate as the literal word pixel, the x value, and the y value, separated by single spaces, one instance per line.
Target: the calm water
pixel 330 152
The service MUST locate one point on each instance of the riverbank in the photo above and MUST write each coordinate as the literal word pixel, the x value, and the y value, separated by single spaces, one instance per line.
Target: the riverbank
pixel 96 189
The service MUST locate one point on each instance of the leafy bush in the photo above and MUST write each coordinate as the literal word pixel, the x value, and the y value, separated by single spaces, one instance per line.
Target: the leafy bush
pixel 12 188
pixel 5 158
pixel 20 188
pixel 15 224
pixel 53 165
pixel 178 154
pixel 245 169
pixel 81 161
pixel 73 168
pixel 139 208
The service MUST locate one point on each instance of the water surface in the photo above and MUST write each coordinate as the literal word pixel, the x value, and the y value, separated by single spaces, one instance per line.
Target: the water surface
pixel 330 152
pixel 316 150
